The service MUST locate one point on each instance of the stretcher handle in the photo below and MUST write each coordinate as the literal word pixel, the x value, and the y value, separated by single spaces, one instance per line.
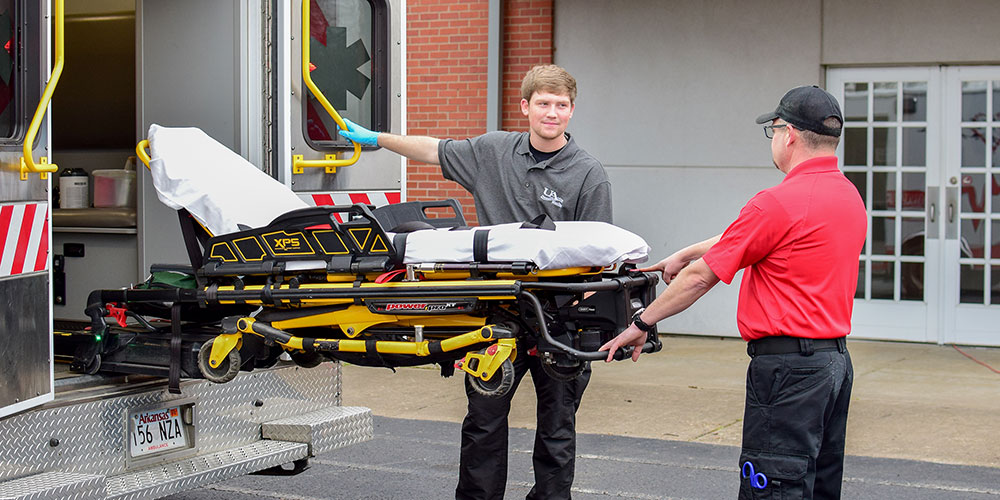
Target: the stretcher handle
pixel 331 162
pixel 653 345
pixel 27 160
pixel 140 151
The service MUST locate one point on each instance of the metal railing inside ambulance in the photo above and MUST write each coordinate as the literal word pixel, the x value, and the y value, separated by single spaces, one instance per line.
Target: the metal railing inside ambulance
pixel 28 164
pixel 331 162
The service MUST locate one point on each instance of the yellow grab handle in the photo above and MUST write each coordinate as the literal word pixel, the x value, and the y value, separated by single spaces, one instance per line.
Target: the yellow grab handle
pixel 27 162
pixel 140 150
pixel 331 162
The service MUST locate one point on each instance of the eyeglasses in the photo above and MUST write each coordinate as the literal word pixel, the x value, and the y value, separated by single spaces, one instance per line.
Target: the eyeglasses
pixel 769 130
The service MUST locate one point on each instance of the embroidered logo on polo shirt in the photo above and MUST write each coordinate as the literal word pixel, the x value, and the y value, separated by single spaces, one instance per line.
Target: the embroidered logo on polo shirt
pixel 550 196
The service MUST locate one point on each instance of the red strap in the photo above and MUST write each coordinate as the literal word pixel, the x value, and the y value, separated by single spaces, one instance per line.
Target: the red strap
pixel 387 277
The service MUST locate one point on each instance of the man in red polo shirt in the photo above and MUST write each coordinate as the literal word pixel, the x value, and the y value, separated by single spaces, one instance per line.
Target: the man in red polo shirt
pixel 800 242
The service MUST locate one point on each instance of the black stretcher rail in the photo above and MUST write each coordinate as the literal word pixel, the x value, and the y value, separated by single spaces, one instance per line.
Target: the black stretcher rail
pixel 621 353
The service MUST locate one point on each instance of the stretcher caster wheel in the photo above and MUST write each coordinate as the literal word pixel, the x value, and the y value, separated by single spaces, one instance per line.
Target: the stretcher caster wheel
pixel 226 370
pixel 93 366
pixel 564 373
pixel 498 385
pixel 307 359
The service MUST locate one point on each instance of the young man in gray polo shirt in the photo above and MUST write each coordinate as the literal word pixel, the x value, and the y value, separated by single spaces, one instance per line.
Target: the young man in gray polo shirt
pixel 513 177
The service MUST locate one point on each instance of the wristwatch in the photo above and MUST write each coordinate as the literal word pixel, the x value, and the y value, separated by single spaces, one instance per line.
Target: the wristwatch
pixel 642 325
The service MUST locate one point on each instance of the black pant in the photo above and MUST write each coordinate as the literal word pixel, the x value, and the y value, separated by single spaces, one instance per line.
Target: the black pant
pixel 483 468
pixel 794 425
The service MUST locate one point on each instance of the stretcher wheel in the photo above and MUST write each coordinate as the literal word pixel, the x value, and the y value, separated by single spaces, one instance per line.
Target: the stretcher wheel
pixel 93 366
pixel 498 385
pixel 307 359
pixel 226 371
pixel 564 373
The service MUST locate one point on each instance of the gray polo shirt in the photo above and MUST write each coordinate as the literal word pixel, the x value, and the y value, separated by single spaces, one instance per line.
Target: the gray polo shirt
pixel 508 185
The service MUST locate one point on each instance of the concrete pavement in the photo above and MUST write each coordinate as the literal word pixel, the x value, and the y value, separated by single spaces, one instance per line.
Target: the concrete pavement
pixel 910 401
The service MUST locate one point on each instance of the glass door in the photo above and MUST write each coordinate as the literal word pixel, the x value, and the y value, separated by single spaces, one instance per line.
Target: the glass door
pixel 972 197
pixel 890 150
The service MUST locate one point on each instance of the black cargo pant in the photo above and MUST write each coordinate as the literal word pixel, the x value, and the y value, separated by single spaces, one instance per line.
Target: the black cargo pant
pixel 794 425
pixel 483 468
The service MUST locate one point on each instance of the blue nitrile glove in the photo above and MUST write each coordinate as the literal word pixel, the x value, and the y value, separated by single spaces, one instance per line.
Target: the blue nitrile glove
pixel 359 134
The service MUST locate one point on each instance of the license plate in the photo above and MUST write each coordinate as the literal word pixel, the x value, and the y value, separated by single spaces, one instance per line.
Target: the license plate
pixel 155 431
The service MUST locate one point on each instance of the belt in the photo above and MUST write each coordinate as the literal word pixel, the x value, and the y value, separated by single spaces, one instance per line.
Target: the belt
pixel 789 345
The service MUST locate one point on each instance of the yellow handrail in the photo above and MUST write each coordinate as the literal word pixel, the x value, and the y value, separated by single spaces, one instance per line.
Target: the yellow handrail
pixel 331 162
pixel 27 162
pixel 140 150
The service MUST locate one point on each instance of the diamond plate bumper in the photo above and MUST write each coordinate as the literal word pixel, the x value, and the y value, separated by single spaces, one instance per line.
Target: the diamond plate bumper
pixel 324 430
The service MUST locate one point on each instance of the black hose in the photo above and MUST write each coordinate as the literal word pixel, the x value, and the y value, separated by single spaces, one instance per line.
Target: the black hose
pixel 620 354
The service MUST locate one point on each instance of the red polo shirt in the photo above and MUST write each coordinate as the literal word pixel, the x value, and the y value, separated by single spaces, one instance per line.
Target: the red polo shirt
pixel 801 240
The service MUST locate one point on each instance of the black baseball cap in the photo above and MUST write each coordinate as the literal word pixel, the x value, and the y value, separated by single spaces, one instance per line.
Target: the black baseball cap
pixel 806 108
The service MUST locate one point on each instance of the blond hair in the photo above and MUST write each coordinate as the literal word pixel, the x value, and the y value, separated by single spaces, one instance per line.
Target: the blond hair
pixel 548 78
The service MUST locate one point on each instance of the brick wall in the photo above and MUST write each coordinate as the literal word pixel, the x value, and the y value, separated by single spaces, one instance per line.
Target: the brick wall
pixel 446 82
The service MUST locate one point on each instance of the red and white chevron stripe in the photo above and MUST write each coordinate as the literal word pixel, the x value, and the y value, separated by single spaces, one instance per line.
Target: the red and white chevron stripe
pixel 24 238
pixel 377 198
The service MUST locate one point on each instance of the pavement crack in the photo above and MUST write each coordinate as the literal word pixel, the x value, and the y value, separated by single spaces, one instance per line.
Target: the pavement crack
pixel 717 429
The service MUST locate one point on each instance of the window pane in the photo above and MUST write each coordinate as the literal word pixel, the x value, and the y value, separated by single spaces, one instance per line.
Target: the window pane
pixel 883 235
pixel 8 69
pixel 883 277
pixel 915 101
pixel 856 146
pixel 883 191
pixel 914 189
pixel 860 181
pixel 913 236
pixel 996 146
pixel 973 101
pixel 915 147
pixel 340 55
pixel 996 193
pixel 995 239
pixel 911 281
pixel 971 284
pixel 856 101
pixel 883 146
pixel 859 292
pixel 994 285
pixel 973 193
pixel 973 237
pixel 996 101
pixel 884 106
pixel 973 147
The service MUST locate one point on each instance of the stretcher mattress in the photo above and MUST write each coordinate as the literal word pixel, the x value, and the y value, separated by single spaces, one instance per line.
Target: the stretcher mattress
pixel 570 244
pixel 217 186
pixel 223 192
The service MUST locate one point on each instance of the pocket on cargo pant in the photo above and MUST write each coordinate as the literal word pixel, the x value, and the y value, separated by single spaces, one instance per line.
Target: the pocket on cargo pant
pixel 765 475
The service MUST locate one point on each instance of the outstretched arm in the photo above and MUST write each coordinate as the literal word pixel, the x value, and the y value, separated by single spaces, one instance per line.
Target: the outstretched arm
pixel 691 283
pixel 673 264
pixel 420 148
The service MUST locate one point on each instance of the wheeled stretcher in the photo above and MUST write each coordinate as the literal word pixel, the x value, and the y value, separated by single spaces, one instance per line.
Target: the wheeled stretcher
pixel 355 283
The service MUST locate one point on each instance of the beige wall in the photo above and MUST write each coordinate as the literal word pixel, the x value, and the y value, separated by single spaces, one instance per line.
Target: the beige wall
pixel 669 82
pixel 913 32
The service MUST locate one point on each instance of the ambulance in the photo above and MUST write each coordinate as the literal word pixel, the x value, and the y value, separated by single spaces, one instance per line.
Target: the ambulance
pixel 81 83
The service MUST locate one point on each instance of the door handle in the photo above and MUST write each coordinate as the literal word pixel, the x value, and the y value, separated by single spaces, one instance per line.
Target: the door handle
pixel 933 232
pixel 951 224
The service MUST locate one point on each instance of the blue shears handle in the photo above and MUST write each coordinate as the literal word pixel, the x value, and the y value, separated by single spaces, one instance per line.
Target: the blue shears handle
pixel 757 479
